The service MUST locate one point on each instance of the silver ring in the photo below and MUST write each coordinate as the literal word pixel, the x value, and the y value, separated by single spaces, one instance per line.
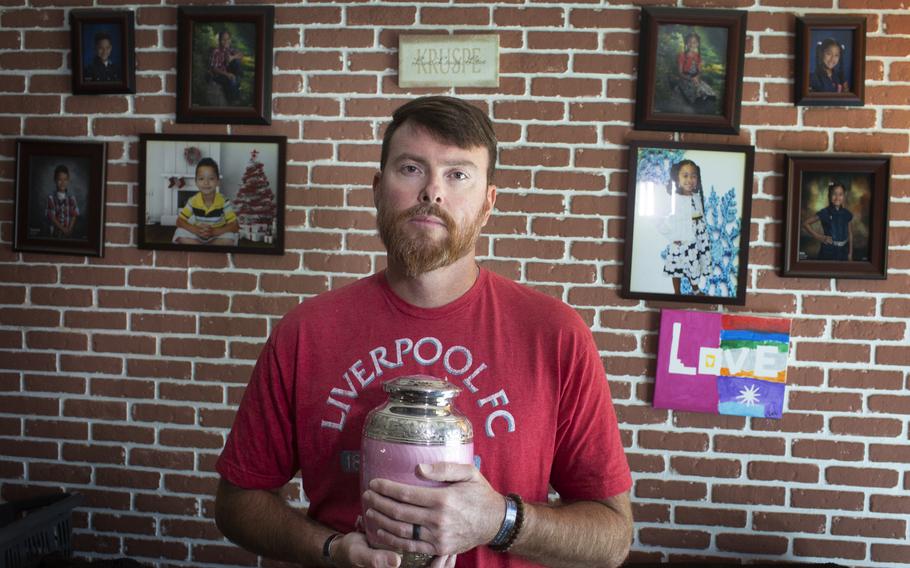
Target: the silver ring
pixel 415 532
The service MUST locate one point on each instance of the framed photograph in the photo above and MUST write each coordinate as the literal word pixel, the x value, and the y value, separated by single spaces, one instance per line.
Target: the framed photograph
pixel 103 51
pixel 60 197
pixel 212 193
pixel 837 216
pixel 830 60
pixel 224 64
pixel 687 224
pixel 690 70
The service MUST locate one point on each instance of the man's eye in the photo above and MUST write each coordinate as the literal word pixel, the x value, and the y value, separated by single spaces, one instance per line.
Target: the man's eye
pixel 410 169
pixel 459 175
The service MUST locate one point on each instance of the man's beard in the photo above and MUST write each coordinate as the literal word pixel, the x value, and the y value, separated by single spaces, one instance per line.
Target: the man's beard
pixel 418 254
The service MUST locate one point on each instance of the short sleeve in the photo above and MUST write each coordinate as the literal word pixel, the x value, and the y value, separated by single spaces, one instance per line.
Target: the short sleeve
pixel 589 461
pixel 259 453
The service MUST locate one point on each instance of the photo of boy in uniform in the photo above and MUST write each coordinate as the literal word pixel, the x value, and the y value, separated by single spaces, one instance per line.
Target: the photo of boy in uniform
pixel 101 49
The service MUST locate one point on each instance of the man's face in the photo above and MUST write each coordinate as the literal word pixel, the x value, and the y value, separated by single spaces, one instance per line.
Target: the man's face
pixel 62 180
pixel 103 49
pixel 225 40
pixel 432 199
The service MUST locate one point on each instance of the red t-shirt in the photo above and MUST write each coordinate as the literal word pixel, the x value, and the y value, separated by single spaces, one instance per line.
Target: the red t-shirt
pixel 533 386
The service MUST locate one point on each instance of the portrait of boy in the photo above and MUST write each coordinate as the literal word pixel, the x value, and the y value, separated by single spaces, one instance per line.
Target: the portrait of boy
pixel 101 53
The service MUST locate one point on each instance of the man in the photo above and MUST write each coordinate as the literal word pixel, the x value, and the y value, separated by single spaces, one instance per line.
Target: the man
pixel 533 387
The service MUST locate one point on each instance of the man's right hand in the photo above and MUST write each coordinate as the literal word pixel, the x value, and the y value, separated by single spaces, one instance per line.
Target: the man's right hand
pixel 352 550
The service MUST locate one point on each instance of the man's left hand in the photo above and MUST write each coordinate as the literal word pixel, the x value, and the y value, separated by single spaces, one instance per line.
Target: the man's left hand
pixel 457 517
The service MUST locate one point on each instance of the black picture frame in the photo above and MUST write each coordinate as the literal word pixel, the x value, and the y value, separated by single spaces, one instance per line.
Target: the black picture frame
pixel 237 91
pixel 679 90
pixel 817 39
pixel 811 185
pixel 251 181
pixel 70 223
pixel 103 51
pixel 663 232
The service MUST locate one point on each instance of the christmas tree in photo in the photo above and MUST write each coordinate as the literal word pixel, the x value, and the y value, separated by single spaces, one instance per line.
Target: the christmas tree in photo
pixel 255 203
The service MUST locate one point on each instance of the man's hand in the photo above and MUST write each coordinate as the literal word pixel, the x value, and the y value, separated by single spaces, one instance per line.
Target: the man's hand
pixel 353 551
pixel 457 517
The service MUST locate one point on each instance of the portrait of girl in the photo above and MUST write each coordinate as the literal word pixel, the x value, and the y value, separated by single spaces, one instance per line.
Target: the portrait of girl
pixel 828 76
pixel 690 70
pixel 835 221
pixel 835 217
pixel 687 256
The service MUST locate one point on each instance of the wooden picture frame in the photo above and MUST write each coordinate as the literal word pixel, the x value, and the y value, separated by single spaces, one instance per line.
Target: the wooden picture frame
pixel 690 70
pixel 680 247
pixel 828 238
pixel 103 51
pixel 60 197
pixel 831 61
pixel 224 64
pixel 245 214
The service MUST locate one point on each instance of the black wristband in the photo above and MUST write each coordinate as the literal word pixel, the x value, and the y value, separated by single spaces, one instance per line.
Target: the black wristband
pixel 327 548
pixel 515 529
pixel 508 523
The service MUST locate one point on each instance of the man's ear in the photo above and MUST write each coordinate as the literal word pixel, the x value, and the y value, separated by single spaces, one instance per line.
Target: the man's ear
pixel 490 203
pixel 377 179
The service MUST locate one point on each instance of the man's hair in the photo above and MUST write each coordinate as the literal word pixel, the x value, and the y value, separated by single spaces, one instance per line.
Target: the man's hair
pixel 61 169
pixel 100 36
pixel 448 119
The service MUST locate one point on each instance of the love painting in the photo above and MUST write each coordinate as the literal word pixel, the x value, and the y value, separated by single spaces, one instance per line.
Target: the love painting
pixel 722 364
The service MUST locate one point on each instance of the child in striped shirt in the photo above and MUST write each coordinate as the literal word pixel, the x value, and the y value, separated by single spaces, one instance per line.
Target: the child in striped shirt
pixel 207 218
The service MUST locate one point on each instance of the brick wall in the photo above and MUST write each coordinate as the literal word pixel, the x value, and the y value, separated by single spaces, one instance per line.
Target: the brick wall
pixel 120 375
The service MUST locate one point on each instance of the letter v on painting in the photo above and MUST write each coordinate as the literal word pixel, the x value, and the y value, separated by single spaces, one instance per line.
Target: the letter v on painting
pixel 722 364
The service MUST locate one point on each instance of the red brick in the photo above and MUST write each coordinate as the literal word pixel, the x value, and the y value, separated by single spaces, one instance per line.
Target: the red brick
pixel 143 457
pixel 71 297
pixel 132 343
pixel 891 553
pixel 704 467
pixel 194 302
pixel 845 402
pixel 66 341
pixel 673 441
pixel 91 364
pixel 670 490
pixel 866 426
pixel 479 16
pixel 889 404
pixel 866 379
pixel 749 444
pixel 122 388
pixel 711 517
pixel 747 495
pixel 159 368
pixel 828 548
pixel 95 320
pixel 122 433
pixel 94 454
pixel 66 429
pixel 829 352
pixel 861 477
pixel 55 383
pixel 827 450
pixel 789 522
pixel 752 543
pixel 674 538
pixel 114 477
pixel 162 323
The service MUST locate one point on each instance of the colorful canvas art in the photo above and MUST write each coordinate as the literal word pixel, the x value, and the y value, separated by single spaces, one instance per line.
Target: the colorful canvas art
pixel 722 364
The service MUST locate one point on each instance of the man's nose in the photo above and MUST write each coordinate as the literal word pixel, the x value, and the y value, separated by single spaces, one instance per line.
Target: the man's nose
pixel 432 190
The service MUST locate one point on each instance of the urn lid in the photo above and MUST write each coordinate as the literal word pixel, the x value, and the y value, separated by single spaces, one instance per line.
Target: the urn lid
pixel 421 389
pixel 419 411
